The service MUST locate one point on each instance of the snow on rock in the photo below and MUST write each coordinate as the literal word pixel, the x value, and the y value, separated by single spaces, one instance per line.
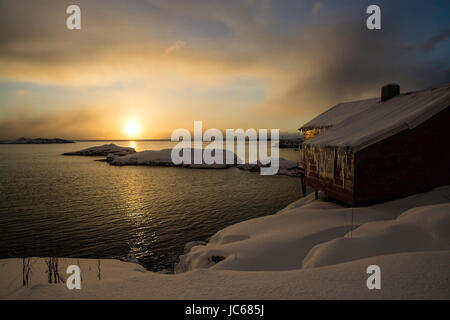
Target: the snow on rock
pixel 425 228
pixel 286 167
pixel 282 241
pixel 188 246
pixel 104 150
pixel 111 156
pixel 149 157
pixel 163 158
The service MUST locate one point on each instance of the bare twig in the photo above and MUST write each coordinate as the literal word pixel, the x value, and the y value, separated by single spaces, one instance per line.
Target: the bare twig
pixel 53 272
pixel 99 269
pixel 26 269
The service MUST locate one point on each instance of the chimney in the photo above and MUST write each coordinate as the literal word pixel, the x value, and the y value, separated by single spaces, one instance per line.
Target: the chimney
pixel 390 90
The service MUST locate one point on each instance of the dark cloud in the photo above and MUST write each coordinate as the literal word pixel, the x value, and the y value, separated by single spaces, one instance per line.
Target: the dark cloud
pixel 436 39
pixel 342 60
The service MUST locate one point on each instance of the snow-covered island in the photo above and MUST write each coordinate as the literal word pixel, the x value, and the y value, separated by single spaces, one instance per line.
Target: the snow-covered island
pixel 104 150
pixel 163 158
pixel 124 156
pixel 23 140
pixel 312 249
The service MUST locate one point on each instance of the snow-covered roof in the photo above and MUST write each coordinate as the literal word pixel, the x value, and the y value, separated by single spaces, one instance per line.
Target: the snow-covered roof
pixel 375 120
pixel 338 113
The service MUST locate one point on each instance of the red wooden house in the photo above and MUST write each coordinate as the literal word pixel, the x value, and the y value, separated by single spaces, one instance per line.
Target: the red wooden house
pixel 379 149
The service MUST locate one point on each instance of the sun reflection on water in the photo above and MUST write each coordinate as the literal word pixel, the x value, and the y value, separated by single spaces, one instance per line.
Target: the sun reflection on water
pixel 132 144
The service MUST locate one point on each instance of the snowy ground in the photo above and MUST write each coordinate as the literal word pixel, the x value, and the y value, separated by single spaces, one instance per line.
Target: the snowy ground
pixel 312 249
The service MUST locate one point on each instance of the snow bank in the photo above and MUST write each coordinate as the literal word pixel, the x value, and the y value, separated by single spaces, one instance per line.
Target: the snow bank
pixel 282 241
pixel 424 228
pixel 402 278
pixel 105 150
pixel 163 158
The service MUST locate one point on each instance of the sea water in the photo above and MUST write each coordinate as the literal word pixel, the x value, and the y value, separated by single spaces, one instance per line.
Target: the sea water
pixel 73 206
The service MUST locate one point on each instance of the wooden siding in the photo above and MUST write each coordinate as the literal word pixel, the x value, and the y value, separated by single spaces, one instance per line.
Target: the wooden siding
pixel 409 162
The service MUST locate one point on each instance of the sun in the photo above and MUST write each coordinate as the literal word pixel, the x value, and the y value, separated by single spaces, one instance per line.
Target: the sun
pixel 132 128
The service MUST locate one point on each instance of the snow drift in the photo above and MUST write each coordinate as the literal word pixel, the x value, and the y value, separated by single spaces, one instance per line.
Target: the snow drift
pixel 310 232
pixel 424 228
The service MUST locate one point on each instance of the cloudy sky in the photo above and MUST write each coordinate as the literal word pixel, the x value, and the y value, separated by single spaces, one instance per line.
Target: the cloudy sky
pixel 231 64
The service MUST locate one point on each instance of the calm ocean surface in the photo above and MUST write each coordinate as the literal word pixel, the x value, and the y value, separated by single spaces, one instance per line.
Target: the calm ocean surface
pixel 53 205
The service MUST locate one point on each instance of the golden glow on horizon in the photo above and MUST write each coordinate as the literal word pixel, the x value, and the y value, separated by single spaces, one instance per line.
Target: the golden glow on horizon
pixel 132 128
